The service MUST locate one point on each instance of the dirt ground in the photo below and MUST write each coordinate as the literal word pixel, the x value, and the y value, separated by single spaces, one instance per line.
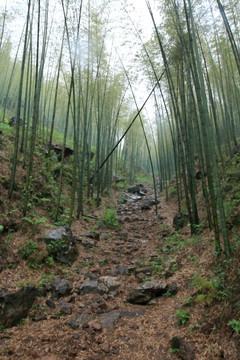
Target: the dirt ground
pixel 132 332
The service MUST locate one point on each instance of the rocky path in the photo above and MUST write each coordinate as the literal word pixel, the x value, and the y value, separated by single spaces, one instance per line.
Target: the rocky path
pixel 119 299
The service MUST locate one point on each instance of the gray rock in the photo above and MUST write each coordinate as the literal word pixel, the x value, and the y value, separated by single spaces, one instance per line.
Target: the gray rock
pixel 134 197
pixel 50 303
pixel 149 203
pixel 65 308
pixel 154 257
pixel 72 299
pixel 132 314
pixel 106 320
pixel 1 264
pixel 93 235
pixel 147 291
pixel 186 351
pixel 60 287
pixel 15 306
pixel 88 244
pixel 135 189
pixel 99 305
pixel 146 205
pixel 13 121
pixel 84 319
pixel 115 261
pixel 73 322
pixel 105 236
pixel 123 235
pixel 38 317
pixel 236 149
pixel 123 270
pixel 109 320
pixel 91 287
pixel 113 272
pixel 144 270
pixel 180 220
pixel 116 178
pixel 172 288
pixel 59 149
pixel 110 282
pixel 127 219
pixel 42 291
pixel 155 201
pixel 198 174
pixel 61 244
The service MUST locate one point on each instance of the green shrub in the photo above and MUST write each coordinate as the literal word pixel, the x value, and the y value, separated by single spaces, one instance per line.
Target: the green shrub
pixel 208 299
pixel 121 199
pixel 235 325
pixel 182 316
pixel 172 191
pixel 49 261
pixel 188 301
pixel 209 290
pixel 29 248
pixel 57 246
pixel 203 284
pixel 109 218
pixel 35 221
pixel 173 243
pixel 174 350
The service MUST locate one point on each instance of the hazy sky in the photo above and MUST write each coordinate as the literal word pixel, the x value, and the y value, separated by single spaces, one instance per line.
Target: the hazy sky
pixel 140 15
pixel 122 32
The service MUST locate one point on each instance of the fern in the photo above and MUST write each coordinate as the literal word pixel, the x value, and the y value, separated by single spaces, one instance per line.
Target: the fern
pixel 235 325
pixel 35 221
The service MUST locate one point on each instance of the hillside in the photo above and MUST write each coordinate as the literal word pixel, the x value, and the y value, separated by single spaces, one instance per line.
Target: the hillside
pixel 134 287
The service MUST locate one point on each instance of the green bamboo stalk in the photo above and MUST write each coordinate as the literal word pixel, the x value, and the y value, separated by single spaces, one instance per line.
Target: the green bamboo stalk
pixel 17 131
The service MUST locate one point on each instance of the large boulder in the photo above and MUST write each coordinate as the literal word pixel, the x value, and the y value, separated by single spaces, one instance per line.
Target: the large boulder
pixel 13 121
pixel 123 270
pixel 109 320
pixel 147 291
pixel 180 220
pixel 91 287
pixel 15 306
pixel 61 244
pixel 73 322
pixel 236 149
pixel 134 189
pixel 116 178
pixel 184 350
pixel 149 203
pixel 60 287
pixel 110 282
pixel 59 149
pixel 64 308
pixel 2 264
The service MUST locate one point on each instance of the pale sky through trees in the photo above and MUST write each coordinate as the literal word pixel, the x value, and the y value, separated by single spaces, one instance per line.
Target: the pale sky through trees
pixel 122 34
pixel 118 13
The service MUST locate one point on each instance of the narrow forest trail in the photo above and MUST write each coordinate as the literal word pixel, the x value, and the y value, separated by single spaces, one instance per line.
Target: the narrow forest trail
pixel 102 324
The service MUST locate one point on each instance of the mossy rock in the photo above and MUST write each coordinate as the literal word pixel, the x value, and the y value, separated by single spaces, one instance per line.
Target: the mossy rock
pixel 61 244
pixel 180 220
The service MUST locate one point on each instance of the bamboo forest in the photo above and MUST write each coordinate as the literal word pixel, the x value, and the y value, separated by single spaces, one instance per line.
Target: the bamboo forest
pixel 119 179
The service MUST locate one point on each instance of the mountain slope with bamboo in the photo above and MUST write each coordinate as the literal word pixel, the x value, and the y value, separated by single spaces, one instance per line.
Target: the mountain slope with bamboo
pixel 122 246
